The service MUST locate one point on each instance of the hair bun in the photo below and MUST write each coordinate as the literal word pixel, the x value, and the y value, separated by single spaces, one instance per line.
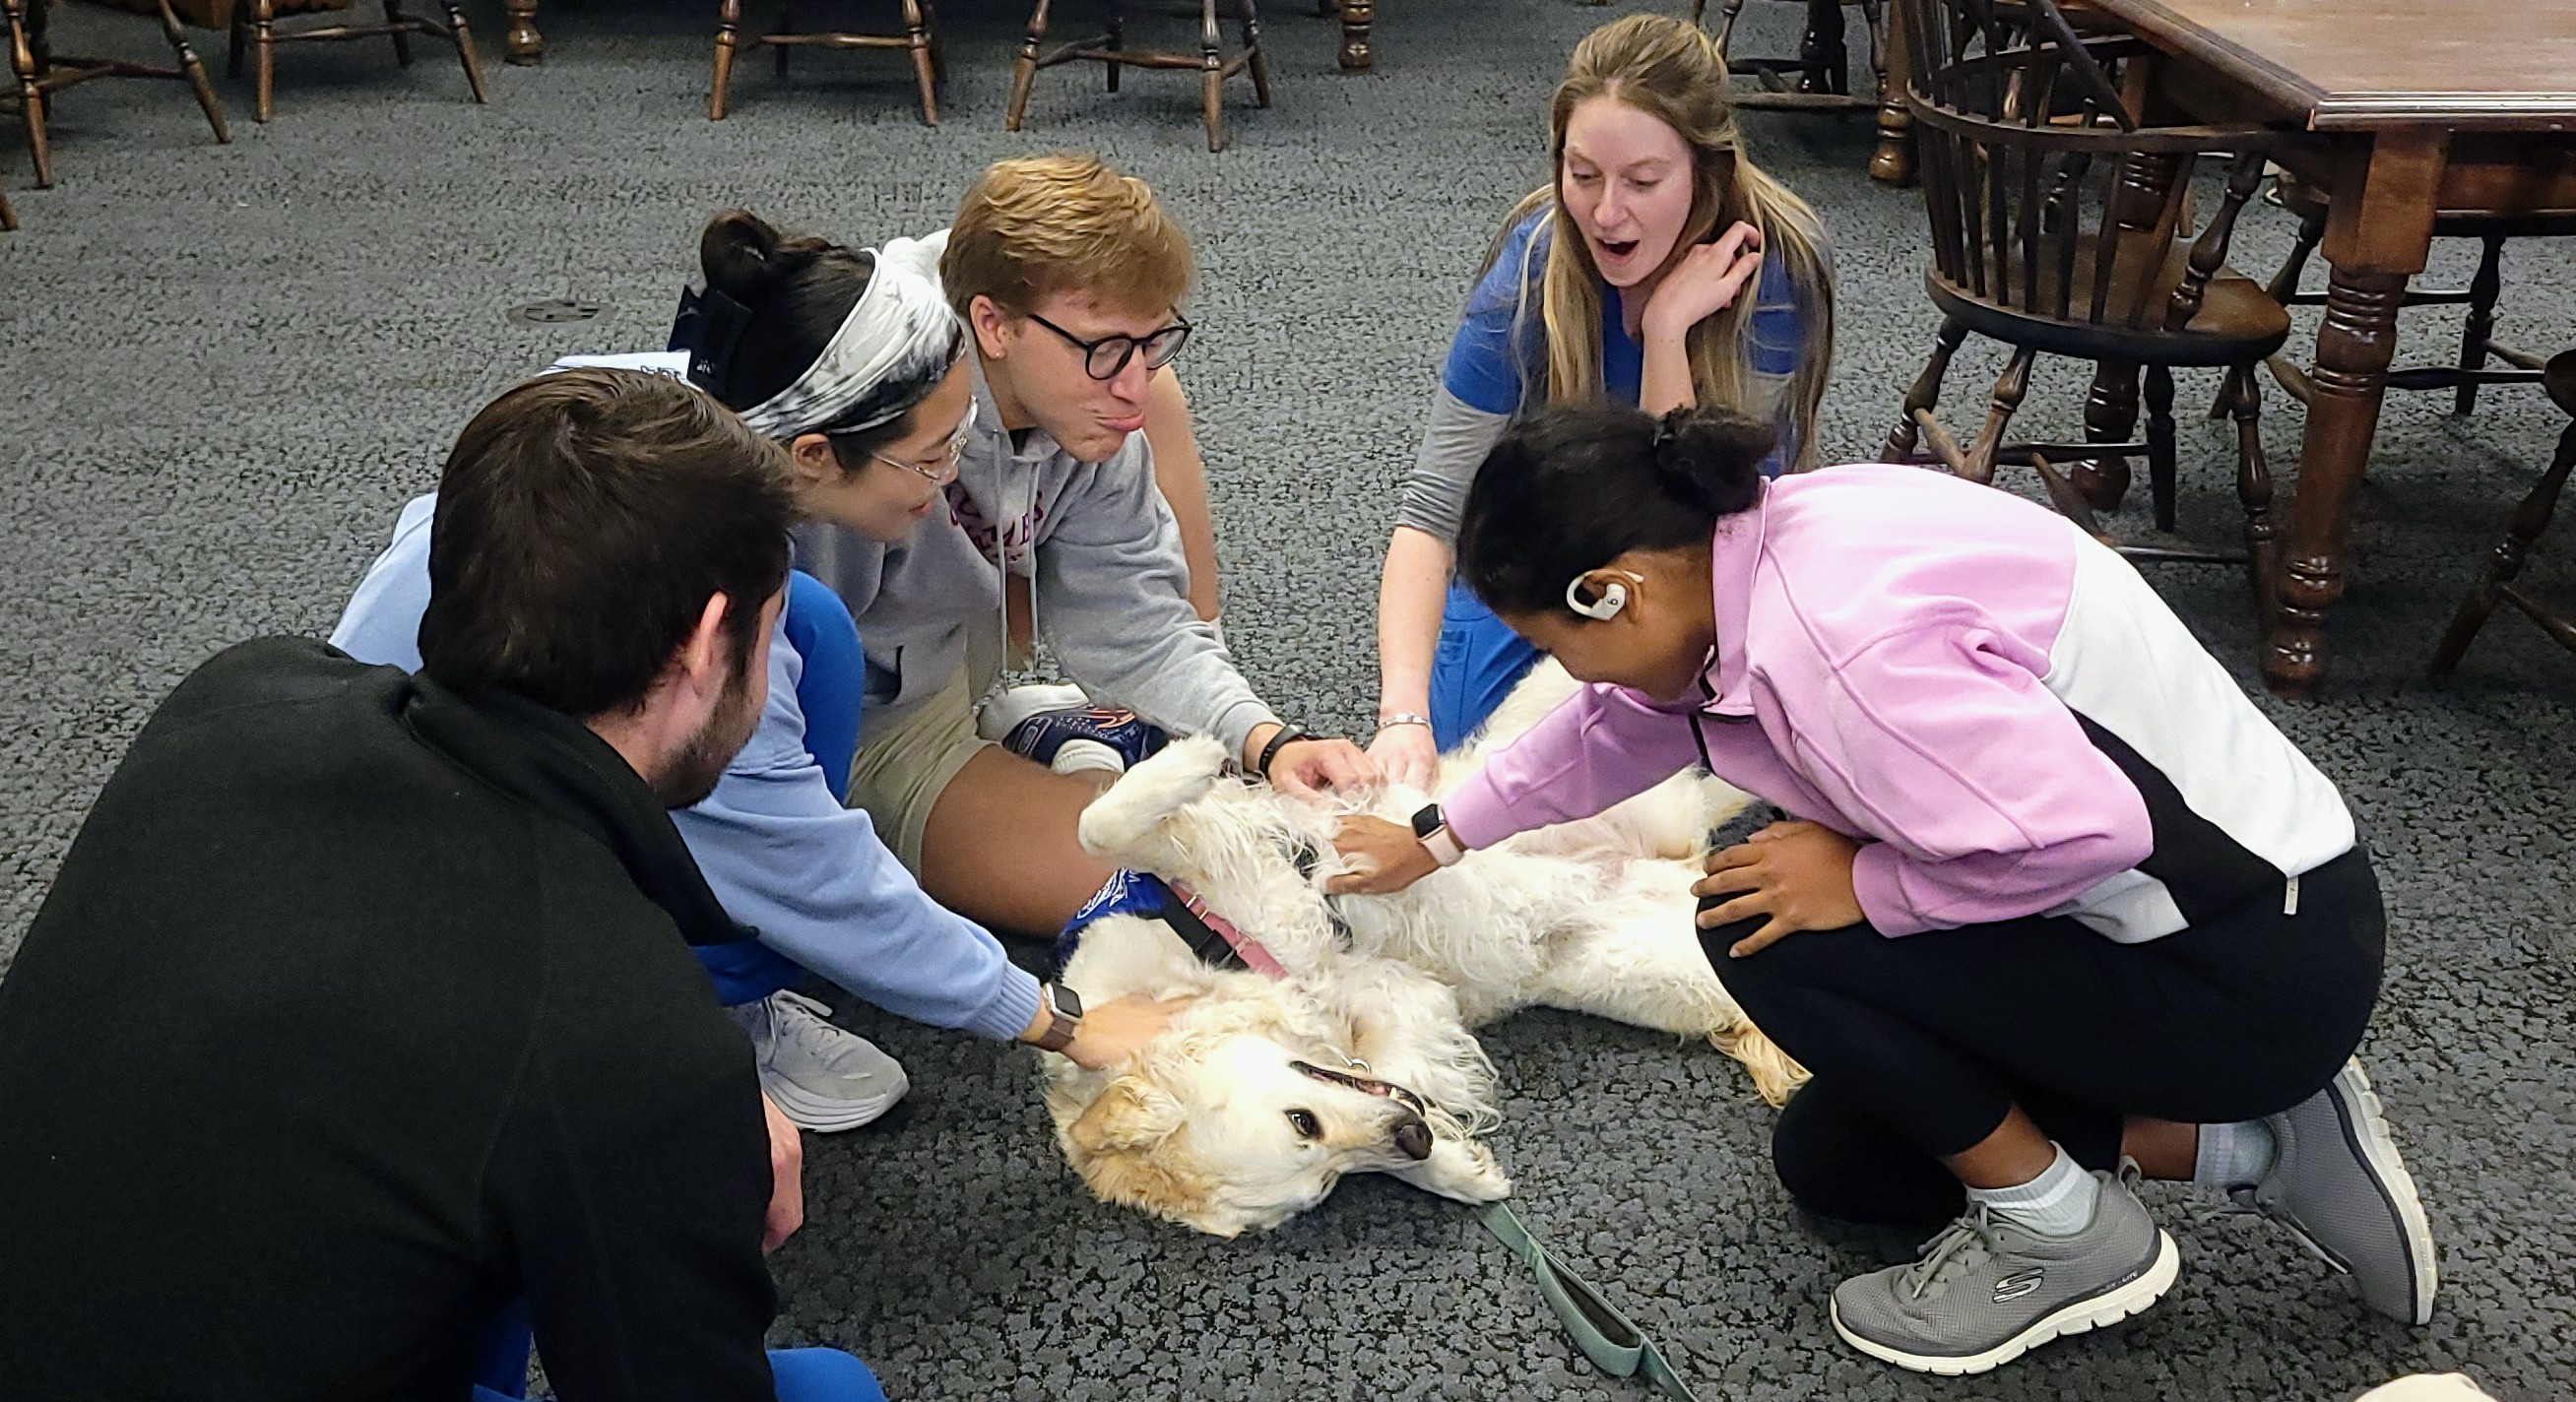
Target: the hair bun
pixel 1712 458
pixel 739 253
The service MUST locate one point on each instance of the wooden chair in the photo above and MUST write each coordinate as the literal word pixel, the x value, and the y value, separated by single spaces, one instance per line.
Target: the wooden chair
pixel 1819 78
pixel 2477 334
pixel 2496 584
pixel 255 29
pixel 41 73
pixel 920 36
pixel 2062 226
pixel 1213 64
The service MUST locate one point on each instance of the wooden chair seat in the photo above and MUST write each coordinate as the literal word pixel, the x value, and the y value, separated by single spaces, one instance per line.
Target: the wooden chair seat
pixel 2236 321
pixel 2062 224
pixel 2497 584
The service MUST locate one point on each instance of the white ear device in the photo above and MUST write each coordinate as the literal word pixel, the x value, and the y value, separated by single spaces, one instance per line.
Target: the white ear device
pixel 1614 597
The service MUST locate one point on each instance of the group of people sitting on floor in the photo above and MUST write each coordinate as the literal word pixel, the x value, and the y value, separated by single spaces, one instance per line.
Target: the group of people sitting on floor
pixel 366 1030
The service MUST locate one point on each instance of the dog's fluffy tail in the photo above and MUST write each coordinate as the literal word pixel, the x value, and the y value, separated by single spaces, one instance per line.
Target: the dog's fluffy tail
pixel 1775 1073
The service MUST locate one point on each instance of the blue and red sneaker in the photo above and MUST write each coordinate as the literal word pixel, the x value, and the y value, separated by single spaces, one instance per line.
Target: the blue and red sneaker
pixel 1067 739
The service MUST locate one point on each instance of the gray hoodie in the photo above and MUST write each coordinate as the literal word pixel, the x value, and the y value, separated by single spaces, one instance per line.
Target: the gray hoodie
pixel 1111 586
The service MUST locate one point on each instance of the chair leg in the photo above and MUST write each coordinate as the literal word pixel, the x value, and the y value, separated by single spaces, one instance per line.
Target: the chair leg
pixel 463 34
pixel 402 37
pixel 8 216
pixel 195 72
pixel 2285 285
pixel 1211 76
pixel 2110 416
pixel 2529 520
pixel 2243 396
pixel 938 50
pixel 263 39
pixel 1025 72
pixel 2160 444
pixel 1117 39
pixel 1726 13
pixel 728 20
pixel 917 32
pixel 22 62
pixel 1925 395
pixel 1259 62
pixel 2010 387
pixel 2481 323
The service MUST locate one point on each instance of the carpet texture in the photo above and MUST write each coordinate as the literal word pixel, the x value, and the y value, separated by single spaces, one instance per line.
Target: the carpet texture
pixel 228 367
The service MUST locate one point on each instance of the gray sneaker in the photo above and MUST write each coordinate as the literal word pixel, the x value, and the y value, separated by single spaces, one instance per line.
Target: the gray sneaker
pixel 819 1076
pixel 2337 1181
pixel 1985 1291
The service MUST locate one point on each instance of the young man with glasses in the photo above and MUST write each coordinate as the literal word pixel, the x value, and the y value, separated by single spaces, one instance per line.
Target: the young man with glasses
pixel 1069 278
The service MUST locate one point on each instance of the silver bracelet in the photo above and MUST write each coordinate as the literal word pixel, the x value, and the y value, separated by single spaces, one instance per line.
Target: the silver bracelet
pixel 1391 719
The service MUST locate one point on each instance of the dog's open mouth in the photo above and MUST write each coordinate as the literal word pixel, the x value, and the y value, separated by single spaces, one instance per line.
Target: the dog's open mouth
pixel 1366 1085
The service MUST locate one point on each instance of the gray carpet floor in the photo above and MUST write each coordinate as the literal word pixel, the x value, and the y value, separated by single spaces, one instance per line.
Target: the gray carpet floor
pixel 226 368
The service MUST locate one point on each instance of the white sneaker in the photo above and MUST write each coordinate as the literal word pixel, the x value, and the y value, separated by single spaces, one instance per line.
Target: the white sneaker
pixel 821 1077
pixel 1003 713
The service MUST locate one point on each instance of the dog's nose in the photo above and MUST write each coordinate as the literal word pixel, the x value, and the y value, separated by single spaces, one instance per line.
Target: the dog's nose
pixel 1413 1136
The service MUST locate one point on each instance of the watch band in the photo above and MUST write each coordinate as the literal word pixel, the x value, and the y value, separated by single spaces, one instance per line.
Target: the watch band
pixel 1064 1017
pixel 1288 735
pixel 1444 847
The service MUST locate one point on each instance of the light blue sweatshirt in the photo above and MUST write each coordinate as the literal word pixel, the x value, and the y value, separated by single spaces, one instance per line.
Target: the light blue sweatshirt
pixel 781 853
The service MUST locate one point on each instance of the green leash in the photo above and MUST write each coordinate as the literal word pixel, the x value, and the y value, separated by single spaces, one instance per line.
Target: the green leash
pixel 1614 1343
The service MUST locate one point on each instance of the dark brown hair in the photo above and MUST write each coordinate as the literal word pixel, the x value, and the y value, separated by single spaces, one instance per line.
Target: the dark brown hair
pixel 584 519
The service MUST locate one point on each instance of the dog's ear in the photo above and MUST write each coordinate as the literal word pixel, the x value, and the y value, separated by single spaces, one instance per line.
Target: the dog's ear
pixel 1130 1114
pixel 1122 1146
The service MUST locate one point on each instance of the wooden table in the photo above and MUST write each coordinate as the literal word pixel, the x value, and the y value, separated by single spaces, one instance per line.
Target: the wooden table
pixel 2410 107
pixel 524 45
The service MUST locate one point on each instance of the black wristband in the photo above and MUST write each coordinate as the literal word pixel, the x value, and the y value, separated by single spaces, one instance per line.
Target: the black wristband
pixel 1288 735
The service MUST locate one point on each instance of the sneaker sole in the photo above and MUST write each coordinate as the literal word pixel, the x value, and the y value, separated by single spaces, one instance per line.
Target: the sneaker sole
pixel 2358 1111
pixel 2083 1316
pixel 821 1116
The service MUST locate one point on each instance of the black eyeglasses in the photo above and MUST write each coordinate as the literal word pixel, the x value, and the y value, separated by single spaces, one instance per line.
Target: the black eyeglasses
pixel 1104 358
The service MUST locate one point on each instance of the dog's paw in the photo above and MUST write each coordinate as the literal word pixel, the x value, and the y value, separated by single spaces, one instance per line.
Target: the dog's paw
pixel 1121 824
pixel 1462 1170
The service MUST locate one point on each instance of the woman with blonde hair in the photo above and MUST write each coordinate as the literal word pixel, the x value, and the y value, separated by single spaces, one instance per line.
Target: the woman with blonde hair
pixel 1660 267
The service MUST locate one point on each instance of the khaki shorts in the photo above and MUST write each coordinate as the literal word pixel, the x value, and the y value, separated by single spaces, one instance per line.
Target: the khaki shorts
pixel 900 772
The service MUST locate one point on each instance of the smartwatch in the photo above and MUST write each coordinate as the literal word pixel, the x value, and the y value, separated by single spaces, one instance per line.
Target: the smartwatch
pixel 1064 1016
pixel 1432 831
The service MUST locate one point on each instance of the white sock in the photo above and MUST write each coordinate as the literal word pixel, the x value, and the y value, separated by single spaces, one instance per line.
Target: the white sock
pixel 2233 1155
pixel 2059 1202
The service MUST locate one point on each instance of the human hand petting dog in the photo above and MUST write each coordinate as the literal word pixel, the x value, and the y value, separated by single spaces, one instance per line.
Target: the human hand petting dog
pixel 1310 765
pixel 1118 1029
pixel 1384 857
pixel 1799 874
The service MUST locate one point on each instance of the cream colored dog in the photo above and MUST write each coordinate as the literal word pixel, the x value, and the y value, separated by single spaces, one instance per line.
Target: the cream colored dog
pixel 1265 1091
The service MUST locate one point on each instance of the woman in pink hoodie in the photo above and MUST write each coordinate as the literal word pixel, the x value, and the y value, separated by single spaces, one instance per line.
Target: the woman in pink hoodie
pixel 2052 904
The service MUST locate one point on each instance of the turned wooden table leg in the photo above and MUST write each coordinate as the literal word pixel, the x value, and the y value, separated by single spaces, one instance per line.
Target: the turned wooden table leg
pixel 1356 15
pixel 523 45
pixel 2376 238
pixel 1893 162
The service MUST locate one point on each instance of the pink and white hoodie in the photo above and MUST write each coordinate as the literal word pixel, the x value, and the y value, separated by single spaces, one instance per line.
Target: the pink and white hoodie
pixel 1994 703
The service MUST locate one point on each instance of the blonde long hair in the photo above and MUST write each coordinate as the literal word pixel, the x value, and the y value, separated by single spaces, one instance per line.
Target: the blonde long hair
pixel 1671 71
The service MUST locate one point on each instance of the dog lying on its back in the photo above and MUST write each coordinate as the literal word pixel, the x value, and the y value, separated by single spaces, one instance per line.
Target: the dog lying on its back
pixel 1266 1091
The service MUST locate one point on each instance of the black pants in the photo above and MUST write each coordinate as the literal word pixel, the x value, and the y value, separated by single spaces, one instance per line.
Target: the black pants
pixel 1921 1044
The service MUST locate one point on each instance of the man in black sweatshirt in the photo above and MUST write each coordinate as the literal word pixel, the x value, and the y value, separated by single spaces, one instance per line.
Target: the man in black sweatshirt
pixel 363 1005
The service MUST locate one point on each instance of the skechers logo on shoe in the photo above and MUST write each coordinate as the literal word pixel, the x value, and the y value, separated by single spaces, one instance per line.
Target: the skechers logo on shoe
pixel 2018 1284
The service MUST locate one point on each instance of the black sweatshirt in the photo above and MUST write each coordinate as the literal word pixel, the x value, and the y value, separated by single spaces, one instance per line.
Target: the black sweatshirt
pixel 356 1010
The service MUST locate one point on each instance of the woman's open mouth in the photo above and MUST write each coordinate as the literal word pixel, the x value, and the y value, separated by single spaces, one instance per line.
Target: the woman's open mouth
pixel 1616 250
